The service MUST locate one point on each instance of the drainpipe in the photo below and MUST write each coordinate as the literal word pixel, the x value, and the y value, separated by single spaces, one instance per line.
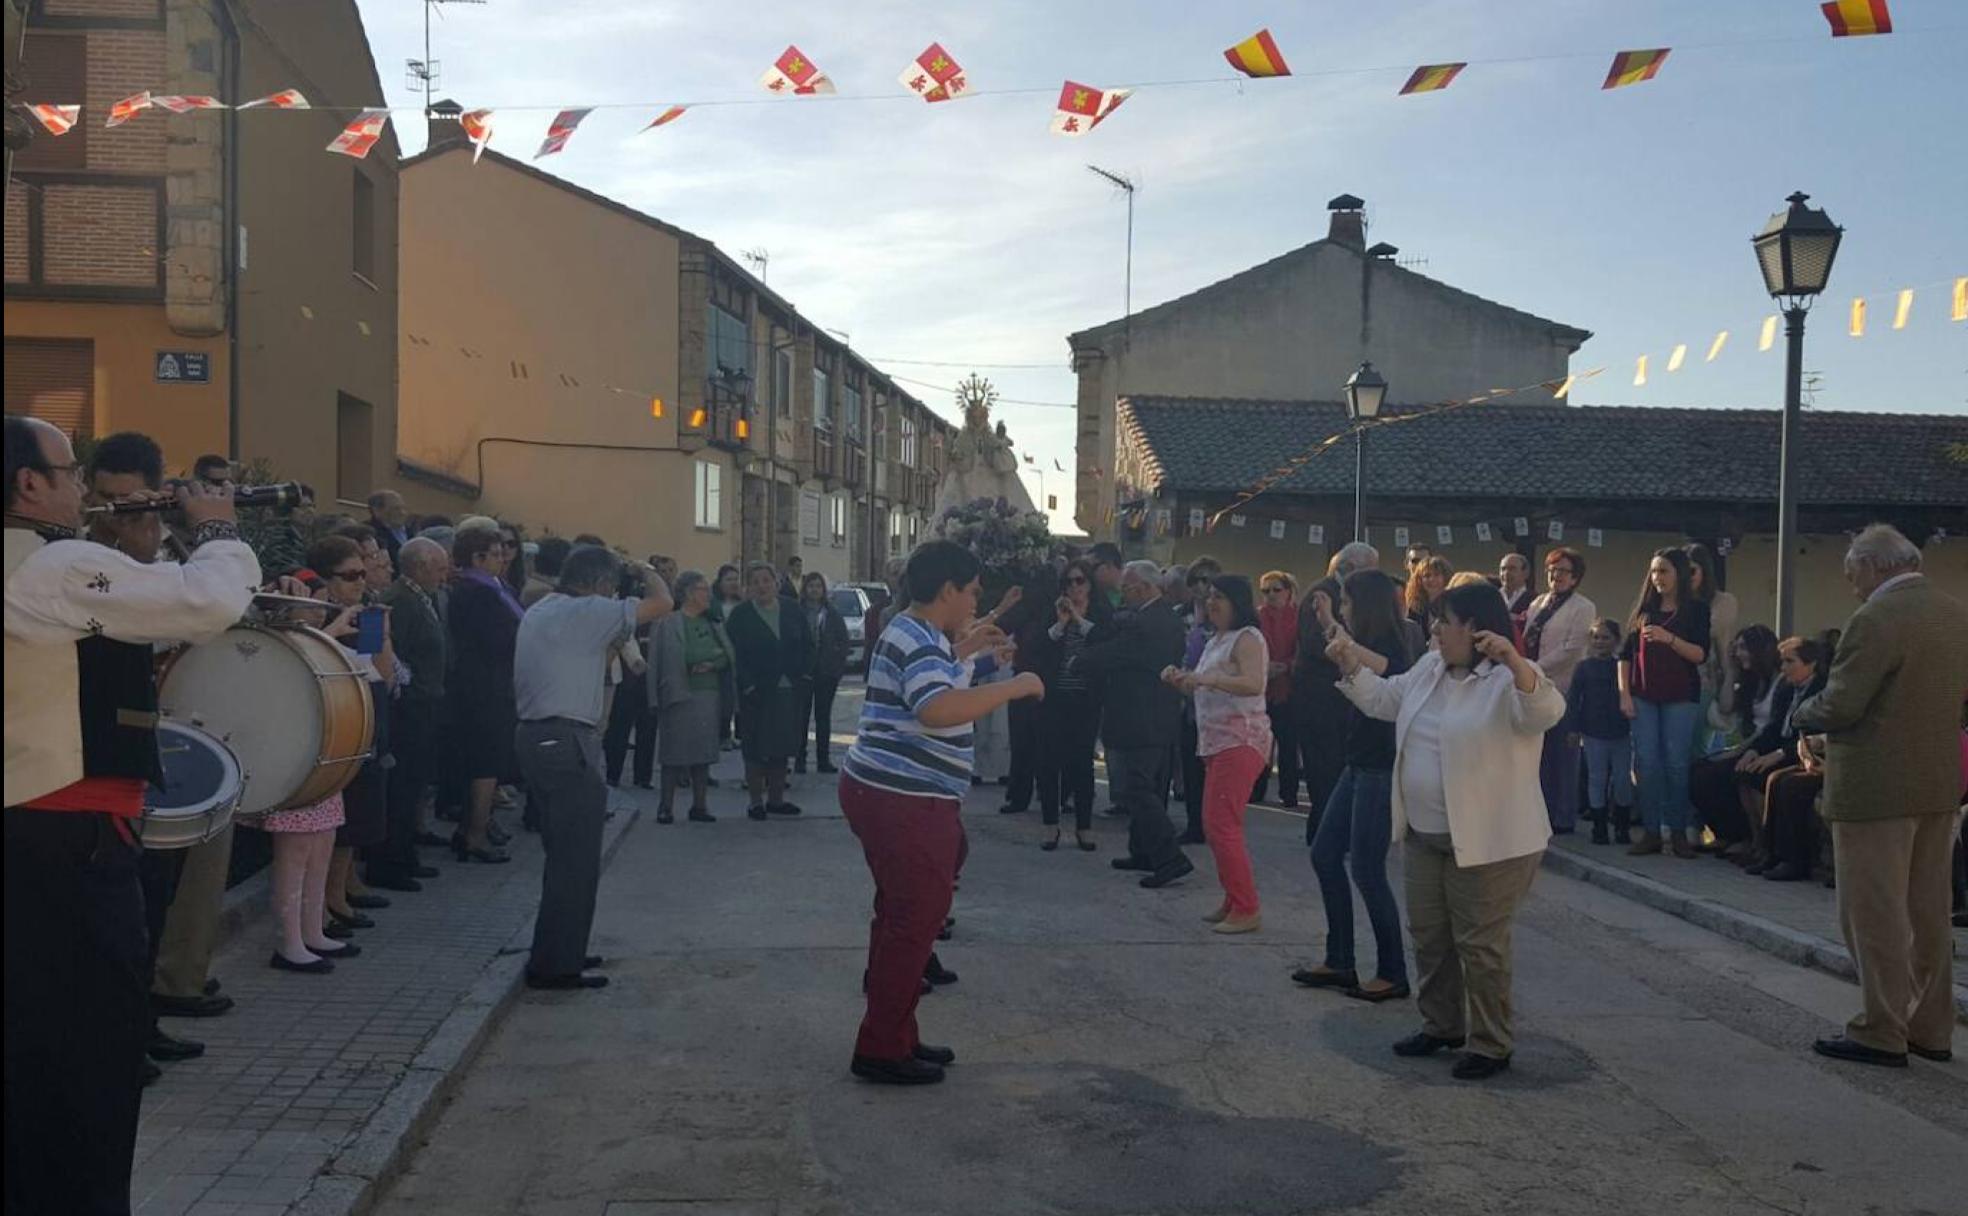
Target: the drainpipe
pixel 230 208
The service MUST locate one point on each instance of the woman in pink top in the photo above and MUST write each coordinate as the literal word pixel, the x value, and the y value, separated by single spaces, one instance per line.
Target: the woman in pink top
pixel 1233 736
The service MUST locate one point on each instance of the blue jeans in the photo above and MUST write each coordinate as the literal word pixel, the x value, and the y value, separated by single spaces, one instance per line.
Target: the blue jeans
pixel 1608 771
pixel 1663 748
pixel 1359 822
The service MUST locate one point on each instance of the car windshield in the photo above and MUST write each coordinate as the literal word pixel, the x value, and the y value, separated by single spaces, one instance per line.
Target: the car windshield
pixel 847 601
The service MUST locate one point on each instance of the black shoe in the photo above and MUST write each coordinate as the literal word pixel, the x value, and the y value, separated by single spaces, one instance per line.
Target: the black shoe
pixel 565 982
pixel 367 903
pixel 1786 871
pixel 357 921
pixel 1842 1048
pixel 943 934
pixel 1174 871
pixel 391 882
pixel 1940 1055
pixel 152 1074
pixel 500 836
pixel 348 950
pixel 592 962
pixel 1421 1043
pixel 422 871
pixel 1051 842
pixel 1009 809
pixel 701 816
pixel 337 931
pixel 936 973
pixel 896 1072
pixel 1115 812
pixel 1374 996
pixel 1599 833
pixel 938 1056
pixel 1086 846
pixel 433 840
pixel 212 986
pixel 200 1006
pixel 1309 978
pixel 786 809
pixel 1130 862
pixel 755 811
pixel 665 816
pixel 1472 1067
pixel 826 766
pixel 166 1048
pixel 280 962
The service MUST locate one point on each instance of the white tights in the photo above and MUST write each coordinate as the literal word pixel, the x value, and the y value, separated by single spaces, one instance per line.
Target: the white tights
pixel 300 884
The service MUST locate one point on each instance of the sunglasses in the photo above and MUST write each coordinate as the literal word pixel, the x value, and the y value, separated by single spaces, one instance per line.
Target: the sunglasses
pixel 349 576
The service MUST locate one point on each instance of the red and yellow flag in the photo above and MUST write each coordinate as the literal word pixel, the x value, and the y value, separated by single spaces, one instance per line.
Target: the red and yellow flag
pixel 667 116
pixel 285 99
pixel 131 106
pixel 58 119
pixel 1633 67
pixel 1258 56
pixel 1431 77
pixel 1082 107
pixel 1853 18
pixel 794 73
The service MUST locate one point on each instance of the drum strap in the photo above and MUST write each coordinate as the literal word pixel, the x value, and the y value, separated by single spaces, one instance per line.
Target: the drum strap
pixel 137 719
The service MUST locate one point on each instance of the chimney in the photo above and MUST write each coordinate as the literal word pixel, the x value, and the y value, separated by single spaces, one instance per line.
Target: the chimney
pixel 441 124
pixel 1349 222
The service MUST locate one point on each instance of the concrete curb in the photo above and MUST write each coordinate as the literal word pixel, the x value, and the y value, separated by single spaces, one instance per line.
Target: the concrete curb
pixel 1751 930
pixel 354 1178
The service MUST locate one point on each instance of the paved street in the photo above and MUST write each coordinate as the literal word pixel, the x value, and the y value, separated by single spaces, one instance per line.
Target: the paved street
pixel 1116 1058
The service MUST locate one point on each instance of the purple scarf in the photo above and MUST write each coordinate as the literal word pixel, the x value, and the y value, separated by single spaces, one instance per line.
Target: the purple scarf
pixel 474 575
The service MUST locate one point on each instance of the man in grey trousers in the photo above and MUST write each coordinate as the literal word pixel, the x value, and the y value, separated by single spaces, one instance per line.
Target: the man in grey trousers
pixel 559 673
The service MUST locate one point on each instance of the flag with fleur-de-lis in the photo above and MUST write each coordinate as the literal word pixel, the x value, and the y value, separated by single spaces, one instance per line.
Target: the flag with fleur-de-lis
pixel 1082 108
pixel 794 74
pixel 935 75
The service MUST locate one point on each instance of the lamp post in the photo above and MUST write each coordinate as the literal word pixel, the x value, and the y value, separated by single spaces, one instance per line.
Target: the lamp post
pixel 1795 252
pixel 1365 390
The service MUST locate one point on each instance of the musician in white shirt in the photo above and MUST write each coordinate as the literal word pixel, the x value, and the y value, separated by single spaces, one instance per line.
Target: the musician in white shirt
pixel 76 1006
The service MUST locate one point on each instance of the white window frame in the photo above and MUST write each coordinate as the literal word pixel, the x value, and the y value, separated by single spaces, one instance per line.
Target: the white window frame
pixel 908 441
pixel 709 498
pixel 838 517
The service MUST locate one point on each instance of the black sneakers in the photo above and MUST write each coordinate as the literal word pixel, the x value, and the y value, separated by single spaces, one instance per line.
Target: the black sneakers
pixel 912 1071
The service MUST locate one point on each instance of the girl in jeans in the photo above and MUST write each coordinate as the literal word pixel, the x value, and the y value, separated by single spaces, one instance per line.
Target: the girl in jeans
pixel 1594 715
pixel 1660 693
pixel 1359 818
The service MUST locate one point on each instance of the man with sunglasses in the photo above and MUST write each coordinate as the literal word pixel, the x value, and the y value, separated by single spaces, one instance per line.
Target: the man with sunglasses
pixel 78 759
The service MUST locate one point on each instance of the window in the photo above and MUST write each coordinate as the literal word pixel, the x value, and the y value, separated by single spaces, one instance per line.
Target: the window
pixel 782 382
pixel 730 343
pixel 823 403
pixel 879 451
pixel 839 502
pixel 908 441
pixel 57 66
pixel 53 379
pixel 809 517
pixel 915 531
pixel 355 446
pixel 364 228
pixel 851 411
pixel 710 495
pixel 895 533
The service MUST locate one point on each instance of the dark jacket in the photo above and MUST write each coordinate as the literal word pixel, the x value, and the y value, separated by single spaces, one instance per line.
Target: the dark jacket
pixel 764 660
pixel 419 638
pixel 1126 656
pixel 1776 735
pixel 830 647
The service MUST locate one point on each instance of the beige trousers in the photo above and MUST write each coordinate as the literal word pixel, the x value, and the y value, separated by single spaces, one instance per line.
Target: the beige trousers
pixel 1893 897
pixel 1460 920
pixel 191 925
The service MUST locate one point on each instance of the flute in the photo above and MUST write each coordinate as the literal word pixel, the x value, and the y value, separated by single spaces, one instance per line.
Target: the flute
pixel 280 496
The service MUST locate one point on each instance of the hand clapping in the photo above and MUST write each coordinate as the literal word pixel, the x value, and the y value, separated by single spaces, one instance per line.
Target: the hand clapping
pixel 1494 647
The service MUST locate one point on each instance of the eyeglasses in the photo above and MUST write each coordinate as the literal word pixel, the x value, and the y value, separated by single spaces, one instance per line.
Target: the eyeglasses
pixel 349 576
pixel 74 471
pixel 1553 571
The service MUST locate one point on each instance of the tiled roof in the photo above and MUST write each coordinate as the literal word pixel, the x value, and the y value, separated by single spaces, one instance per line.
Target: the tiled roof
pixel 1203 445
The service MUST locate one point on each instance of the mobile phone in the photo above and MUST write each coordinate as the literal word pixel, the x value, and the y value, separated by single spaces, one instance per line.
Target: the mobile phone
pixel 369 631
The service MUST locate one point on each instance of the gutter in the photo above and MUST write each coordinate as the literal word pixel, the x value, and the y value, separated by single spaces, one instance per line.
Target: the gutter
pixel 230 207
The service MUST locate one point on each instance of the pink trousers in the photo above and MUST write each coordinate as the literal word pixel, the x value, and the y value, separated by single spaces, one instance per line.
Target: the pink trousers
pixel 1227 780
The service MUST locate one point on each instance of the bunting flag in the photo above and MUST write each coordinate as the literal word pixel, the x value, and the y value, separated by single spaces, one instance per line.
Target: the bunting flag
pixel 560 130
pixel 361 135
pixel 57 119
pixel 1855 18
pixel 1768 337
pixel 1858 317
pixel 666 117
pixel 1902 309
pixel 1257 57
pixel 1960 311
pixel 1633 67
pixel 1432 78
pixel 1640 372
pixel 1082 108
pixel 1715 347
pixel 794 73
pixel 1674 360
pixel 1057 466
pixel 1564 386
pixel 185 104
pixel 934 76
pixel 131 106
pixel 477 126
pixel 285 99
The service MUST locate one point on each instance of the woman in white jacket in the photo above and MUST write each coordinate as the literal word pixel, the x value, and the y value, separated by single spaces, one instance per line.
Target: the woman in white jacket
pixel 1469 721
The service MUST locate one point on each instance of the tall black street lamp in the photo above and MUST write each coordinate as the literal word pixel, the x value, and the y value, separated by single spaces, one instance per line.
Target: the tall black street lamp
pixel 1365 390
pixel 1795 251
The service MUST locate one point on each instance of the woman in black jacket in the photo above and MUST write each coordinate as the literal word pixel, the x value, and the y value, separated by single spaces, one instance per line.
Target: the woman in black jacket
pixel 775 669
pixel 829 632
pixel 1069 716
pixel 1712 784
pixel 1786 833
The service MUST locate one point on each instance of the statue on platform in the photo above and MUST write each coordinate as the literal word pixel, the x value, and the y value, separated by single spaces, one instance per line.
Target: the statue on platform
pixel 981 463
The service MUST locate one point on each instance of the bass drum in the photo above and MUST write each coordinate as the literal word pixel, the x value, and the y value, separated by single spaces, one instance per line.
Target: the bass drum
pixel 201 790
pixel 286 699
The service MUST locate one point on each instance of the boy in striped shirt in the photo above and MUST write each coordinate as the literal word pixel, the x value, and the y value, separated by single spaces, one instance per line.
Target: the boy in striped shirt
pixel 902 788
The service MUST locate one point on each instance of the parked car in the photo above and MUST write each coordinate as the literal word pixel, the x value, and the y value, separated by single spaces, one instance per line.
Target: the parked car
pixel 852 603
pixel 874 599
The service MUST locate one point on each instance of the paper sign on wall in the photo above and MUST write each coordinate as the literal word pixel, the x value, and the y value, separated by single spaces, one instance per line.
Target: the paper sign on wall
pixel 1315 534
pixel 1401 537
pixel 1236 521
pixel 1277 529
pixel 1483 532
pixel 1195 518
pixel 1557 530
pixel 1444 534
pixel 1595 538
pixel 1522 525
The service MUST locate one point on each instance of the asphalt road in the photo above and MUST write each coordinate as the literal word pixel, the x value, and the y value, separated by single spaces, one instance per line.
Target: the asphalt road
pixel 1116 1058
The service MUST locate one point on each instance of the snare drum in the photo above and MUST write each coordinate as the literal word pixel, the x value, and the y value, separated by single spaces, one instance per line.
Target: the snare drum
pixel 201 790
pixel 286 699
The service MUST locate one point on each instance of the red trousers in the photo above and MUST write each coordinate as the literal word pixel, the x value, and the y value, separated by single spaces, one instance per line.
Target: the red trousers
pixel 1228 777
pixel 912 845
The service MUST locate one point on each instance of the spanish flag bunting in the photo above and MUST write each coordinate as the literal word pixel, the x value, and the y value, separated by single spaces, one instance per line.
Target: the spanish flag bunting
pixel 666 117
pixel 1715 347
pixel 1082 108
pixel 1640 372
pixel 1960 312
pixel 935 76
pixel 1564 386
pixel 477 126
pixel 1674 360
pixel 560 130
pixel 360 135
pixel 1257 56
pixel 1858 317
pixel 56 118
pixel 1853 18
pixel 1768 337
pixel 131 106
pixel 185 104
pixel 285 99
pixel 1432 78
pixel 793 73
pixel 1633 67
pixel 1903 308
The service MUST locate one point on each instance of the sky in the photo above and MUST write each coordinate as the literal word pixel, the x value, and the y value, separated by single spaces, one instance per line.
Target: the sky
pixel 966 236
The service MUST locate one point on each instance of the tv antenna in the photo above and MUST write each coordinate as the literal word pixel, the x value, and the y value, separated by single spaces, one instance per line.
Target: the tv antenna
pixel 759 258
pixel 423 74
pixel 1125 185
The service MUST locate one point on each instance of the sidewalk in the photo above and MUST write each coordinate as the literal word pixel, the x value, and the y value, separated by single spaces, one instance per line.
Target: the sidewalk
pixel 1795 921
pixel 311 1086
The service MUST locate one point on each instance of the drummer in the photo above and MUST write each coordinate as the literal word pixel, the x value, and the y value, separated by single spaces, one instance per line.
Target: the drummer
pixel 76 1015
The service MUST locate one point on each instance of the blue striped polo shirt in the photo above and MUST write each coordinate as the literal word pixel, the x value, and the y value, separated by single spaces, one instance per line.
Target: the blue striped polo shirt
pixel 893 750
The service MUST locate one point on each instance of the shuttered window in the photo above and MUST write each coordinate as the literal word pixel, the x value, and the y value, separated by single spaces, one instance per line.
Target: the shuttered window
pixel 54 379
pixel 56 69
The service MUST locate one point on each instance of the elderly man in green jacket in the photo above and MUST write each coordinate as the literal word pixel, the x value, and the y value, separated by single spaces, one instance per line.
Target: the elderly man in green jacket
pixel 1891 715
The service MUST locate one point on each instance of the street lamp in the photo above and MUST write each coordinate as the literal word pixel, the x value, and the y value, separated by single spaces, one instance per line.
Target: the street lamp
pixel 1365 390
pixel 1795 251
